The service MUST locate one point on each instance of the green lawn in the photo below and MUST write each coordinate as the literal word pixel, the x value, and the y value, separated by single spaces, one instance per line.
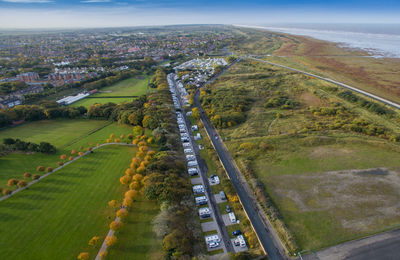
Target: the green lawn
pixel 136 239
pixel 134 86
pixel 57 132
pixel 55 218
pixel 64 134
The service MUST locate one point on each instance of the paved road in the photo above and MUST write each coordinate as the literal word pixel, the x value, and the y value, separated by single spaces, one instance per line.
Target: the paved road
pixel 226 242
pixel 385 246
pixel 263 234
pixel 365 93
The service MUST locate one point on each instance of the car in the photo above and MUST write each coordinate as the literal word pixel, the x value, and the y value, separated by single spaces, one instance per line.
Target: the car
pixel 236 232
pixel 227 208
pixel 213 176
pixel 236 242
pixel 213 244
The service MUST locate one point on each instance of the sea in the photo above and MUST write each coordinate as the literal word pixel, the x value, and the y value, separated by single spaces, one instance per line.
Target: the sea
pixel 379 40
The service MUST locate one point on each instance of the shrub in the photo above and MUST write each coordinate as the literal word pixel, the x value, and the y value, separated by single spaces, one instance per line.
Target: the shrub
pixel 27 175
pixel 7 192
pixel 35 176
pixel 122 213
pixel 22 183
pixel 83 256
pixel 49 169
pixel 40 169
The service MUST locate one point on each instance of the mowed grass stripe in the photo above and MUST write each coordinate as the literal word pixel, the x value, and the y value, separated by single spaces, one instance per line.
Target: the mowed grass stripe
pixel 15 164
pixel 56 217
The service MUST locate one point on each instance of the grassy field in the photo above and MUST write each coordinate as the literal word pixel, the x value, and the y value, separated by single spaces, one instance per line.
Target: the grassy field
pixel 55 218
pixel 353 67
pixel 66 135
pixel 324 181
pixel 134 86
pixel 136 238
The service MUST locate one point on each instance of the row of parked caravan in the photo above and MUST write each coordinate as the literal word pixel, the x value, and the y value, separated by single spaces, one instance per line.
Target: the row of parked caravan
pixel 192 164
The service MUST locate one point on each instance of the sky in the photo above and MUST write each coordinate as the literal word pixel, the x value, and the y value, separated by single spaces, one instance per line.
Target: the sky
pixel 118 13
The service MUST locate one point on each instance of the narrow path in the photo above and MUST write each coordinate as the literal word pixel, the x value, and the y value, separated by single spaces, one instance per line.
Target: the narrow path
pixel 104 245
pixel 59 168
pixel 270 125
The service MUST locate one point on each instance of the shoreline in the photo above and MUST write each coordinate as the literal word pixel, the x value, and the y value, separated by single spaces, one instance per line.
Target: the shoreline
pixel 341 40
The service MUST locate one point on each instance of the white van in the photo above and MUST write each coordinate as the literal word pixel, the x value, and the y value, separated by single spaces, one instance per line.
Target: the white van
pixel 232 217
pixel 193 171
pixel 192 163
pixel 188 150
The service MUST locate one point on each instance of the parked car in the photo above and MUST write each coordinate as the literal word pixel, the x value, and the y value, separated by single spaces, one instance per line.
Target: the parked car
pixel 236 232
pixel 227 208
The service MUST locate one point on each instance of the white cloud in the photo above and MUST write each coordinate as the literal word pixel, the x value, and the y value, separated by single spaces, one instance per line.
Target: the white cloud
pixel 28 1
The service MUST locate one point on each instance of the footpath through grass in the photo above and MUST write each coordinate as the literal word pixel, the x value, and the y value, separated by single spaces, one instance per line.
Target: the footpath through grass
pixel 136 239
pixel 64 134
pixel 55 218
pixel 134 86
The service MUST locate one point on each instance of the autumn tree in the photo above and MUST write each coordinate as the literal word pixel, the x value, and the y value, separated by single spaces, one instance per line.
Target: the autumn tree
pixel 40 169
pixel 12 182
pixel 88 149
pixel 111 240
pixel 140 169
pixel 125 179
pixel 103 254
pixel 113 204
pixel 49 169
pixel 71 158
pixel 143 148
pixel 134 185
pixel 137 177
pixel 122 213
pixel 127 202
pixel 60 163
pixel 73 152
pixel 94 241
pixel 22 183
pixel 116 225
pixel 83 256
pixel 137 130
pixel 80 153
pixel 27 175
pixel 81 147
pixel 130 172
pixel 132 194
pixel 196 113
pixel 130 136
pixel 112 136
pixel 63 156
pixel 122 136
pixel 35 176
pixel 7 192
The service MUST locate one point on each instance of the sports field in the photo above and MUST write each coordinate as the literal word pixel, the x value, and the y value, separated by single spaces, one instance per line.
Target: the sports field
pixel 117 93
pixel 55 218
pixel 65 134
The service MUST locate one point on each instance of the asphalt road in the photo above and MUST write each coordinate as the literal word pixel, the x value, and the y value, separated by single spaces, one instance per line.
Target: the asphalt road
pixel 263 234
pixel 203 174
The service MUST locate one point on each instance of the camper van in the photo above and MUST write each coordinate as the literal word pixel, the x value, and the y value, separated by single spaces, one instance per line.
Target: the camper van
pixel 232 217
pixel 193 171
pixel 192 163
pixel 202 200
pixel 198 189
